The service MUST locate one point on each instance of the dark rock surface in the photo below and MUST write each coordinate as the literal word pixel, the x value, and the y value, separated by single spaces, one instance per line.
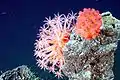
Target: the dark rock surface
pixel 19 73
pixel 93 59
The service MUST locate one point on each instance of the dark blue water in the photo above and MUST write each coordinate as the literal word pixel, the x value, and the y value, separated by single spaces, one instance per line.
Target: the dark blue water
pixel 20 21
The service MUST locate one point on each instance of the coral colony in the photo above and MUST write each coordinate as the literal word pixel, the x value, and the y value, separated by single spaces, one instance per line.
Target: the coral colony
pixel 52 38
pixel 88 23
pixel 80 46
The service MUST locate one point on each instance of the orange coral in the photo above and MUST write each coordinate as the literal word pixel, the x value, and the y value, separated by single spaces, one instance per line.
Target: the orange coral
pixel 88 23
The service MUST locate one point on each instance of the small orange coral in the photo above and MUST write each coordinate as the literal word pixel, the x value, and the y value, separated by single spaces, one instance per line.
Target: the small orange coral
pixel 88 23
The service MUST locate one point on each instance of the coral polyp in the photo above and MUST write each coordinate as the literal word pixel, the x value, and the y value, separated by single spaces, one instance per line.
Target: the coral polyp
pixel 53 36
pixel 88 23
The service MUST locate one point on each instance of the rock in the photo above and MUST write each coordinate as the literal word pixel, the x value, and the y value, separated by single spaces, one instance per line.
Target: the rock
pixel 19 73
pixel 93 59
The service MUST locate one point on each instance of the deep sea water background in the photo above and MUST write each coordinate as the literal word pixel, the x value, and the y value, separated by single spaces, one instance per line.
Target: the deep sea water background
pixel 20 21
